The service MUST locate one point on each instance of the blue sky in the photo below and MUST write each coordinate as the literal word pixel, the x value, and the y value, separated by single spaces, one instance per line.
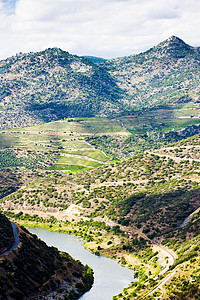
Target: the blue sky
pixel 105 28
pixel 8 6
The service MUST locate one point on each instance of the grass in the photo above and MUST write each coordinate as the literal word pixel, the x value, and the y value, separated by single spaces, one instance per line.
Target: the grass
pixel 66 136
pixel 79 125
pixel 77 161
pixel 68 168
pixel 161 120
pixel 74 144
pixel 69 136
pixel 93 153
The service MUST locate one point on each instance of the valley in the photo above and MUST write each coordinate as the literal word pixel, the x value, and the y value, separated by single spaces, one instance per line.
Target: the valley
pixel 121 208
pixel 108 150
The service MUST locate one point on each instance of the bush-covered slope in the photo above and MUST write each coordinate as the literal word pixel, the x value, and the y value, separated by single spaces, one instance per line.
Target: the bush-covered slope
pixel 152 191
pixel 166 74
pixel 53 84
pixel 34 269
pixel 150 194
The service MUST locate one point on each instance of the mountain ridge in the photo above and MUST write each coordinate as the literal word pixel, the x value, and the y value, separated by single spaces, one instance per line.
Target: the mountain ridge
pixel 53 84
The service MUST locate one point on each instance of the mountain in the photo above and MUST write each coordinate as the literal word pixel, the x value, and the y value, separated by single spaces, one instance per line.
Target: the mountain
pixel 167 74
pixel 33 269
pixel 53 84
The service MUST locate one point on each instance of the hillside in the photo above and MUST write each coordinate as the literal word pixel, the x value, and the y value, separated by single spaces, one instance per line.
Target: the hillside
pixel 149 195
pixel 53 84
pixel 60 145
pixel 34 269
pixel 127 183
pixel 77 144
pixel 167 74
pixel 154 191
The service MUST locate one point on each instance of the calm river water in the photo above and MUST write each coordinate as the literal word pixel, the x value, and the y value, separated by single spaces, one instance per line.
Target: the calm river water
pixel 110 277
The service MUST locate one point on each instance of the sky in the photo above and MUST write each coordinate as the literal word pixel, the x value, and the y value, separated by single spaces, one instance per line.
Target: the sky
pixel 103 28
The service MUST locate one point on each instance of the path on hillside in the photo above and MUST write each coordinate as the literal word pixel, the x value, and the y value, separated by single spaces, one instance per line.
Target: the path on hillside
pixel 162 249
pixel 170 254
pixel 16 240
pixel 188 219
pixel 175 158
pixel 162 283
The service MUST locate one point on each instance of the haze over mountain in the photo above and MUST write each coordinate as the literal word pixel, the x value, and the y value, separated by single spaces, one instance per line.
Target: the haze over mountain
pixel 53 84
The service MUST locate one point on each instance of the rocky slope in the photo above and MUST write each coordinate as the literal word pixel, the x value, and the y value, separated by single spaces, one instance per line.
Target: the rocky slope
pixel 51 85
pixel 6 234
pixel 167 74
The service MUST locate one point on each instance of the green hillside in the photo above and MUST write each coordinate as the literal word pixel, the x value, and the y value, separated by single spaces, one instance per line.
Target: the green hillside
pixel 60 145
pixel 149 194
pixel 125 178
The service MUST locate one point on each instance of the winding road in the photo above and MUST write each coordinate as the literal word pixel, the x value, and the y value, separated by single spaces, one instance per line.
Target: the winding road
pixel 16 239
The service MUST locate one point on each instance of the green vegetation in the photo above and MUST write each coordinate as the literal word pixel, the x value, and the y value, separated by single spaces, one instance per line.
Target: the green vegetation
pixel 53 84
pixel 153 192
pixel 163 75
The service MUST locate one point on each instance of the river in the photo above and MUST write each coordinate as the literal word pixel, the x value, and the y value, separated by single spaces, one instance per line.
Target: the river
pixel 109 277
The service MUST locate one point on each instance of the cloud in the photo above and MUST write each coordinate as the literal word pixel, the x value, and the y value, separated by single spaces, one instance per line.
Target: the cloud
pixel 106 28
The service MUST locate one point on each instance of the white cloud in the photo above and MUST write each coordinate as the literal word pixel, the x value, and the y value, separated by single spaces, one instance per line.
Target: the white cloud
pixel 106 28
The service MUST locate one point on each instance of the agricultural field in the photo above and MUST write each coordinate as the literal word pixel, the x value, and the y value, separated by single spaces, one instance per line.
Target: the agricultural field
pixel 60 145
pixel 149 129
pixel 78 144
pixel 126 191
pixel 162 119
pixel 76 187
pixel 127 177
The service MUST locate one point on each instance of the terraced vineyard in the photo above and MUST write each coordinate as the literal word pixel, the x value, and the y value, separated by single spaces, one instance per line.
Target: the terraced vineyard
pixel 61 145
pixel 149 195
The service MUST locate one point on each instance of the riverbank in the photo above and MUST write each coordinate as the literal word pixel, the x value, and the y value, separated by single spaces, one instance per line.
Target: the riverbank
pixel 109 277
pixel 104 240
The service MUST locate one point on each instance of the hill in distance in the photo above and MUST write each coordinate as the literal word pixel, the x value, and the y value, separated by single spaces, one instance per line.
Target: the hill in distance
pixel 151 194
pixel 53 84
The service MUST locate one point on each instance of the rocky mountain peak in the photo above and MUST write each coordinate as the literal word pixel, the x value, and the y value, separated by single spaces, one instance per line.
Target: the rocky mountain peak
pixel 175 47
